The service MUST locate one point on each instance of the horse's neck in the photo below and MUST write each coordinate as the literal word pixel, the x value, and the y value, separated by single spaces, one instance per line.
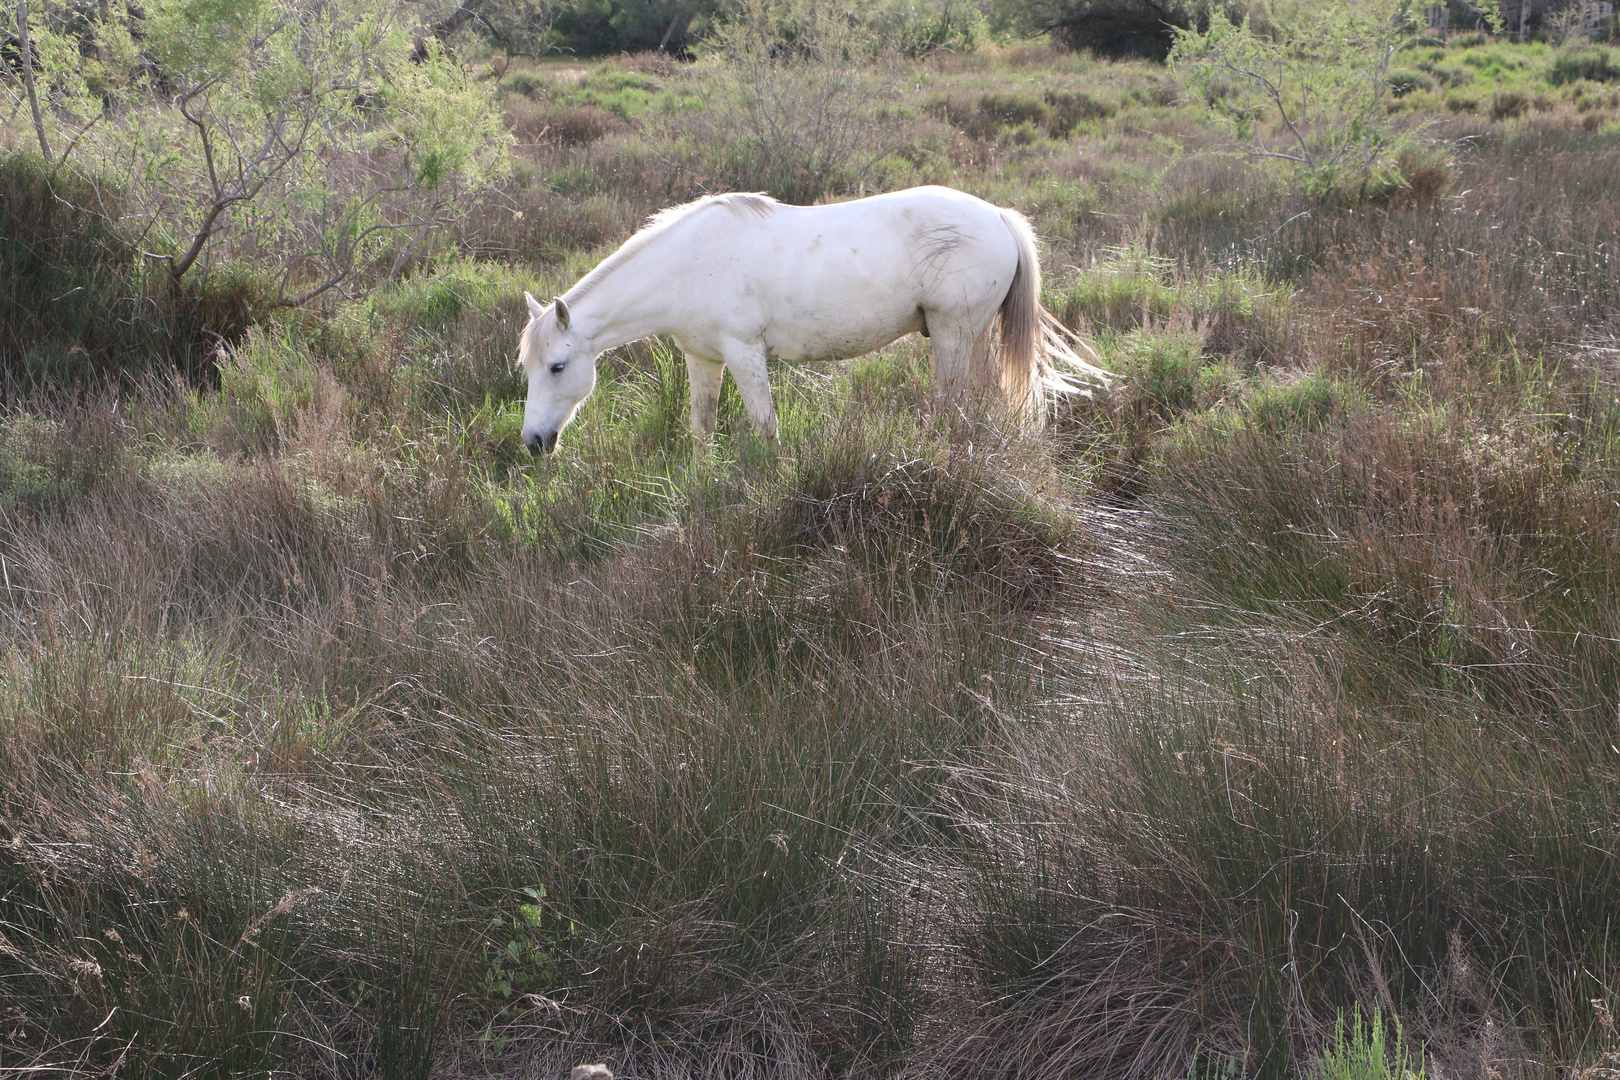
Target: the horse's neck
pixel 640 298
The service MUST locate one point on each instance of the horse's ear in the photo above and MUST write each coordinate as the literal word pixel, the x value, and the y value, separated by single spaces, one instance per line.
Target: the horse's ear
pixel 534 306
pixel 562 311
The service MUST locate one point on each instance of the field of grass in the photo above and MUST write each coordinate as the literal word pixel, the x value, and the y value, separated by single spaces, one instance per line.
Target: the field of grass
pixel 1223 727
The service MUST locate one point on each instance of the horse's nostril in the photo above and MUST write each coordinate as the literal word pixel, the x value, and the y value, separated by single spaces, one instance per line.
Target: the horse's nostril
pixel 551 442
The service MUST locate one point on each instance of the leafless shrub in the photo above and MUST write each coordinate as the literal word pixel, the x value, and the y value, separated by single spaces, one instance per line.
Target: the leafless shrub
pixel 796 106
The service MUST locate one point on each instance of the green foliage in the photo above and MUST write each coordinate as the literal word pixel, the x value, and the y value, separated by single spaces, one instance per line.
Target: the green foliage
pixel 906 27
pixel 1020 117
pixel 1310 402
pixel 1364 1052
pixel 83 59
pixel 526 949
pixel 79 306
pixel 63 266
pixel 311 137
pixel 795 103
pixel 598 27
pixel 1307 94
pixel 515 27
pixel 1234 314
pixel 1403 81
pixel 1169 376
pixel 917 29
pixel 268 384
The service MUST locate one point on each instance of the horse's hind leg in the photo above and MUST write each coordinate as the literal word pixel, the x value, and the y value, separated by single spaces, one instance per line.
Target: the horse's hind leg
pixel 747 366
pixel 703 379
pixel 953 359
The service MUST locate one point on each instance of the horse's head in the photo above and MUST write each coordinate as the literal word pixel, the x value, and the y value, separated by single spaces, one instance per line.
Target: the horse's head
pixel 557 361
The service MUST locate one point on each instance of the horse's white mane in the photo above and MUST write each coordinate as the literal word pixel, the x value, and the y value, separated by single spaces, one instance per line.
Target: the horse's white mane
pixel 741 203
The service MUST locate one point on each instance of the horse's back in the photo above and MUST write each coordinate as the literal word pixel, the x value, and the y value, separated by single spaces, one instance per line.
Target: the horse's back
pixel 881 235
pixel 842 279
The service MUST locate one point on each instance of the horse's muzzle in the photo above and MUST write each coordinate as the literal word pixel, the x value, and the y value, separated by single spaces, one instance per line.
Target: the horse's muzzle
pixel 541 444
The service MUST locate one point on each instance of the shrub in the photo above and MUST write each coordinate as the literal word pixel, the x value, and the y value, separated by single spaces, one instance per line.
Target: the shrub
pixel 913 30
pixel 78 306
pixel 1010 110
pixel 65 271
pixel 558 125
pixel 1113 28
pixel 995 115
pixel 1069 109
pixel 1163 371
pixel 1367 1053
pixel 1231 314
pixel 1507 104
pixel 1308 403
pixel 1447 76
pixel 953 518
pixel 1594 62
pixel 1403 81
pixel 1320 71
pixel 796 107
pixel 392 140
pixel 270 388
pixel 1422 176
pixel 527 83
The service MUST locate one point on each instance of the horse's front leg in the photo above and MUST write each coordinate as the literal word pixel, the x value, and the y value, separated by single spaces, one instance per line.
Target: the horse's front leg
pixel 747 366
pixel 703 379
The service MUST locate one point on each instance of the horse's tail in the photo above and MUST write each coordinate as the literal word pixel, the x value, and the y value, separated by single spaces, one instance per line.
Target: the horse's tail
pixel 1021 337
pixel 1034 341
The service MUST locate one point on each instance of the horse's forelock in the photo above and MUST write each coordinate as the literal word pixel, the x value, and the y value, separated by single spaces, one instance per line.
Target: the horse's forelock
pixel 529 340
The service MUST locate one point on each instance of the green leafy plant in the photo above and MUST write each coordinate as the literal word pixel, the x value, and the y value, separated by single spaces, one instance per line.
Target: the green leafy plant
pixel 1594 62
pixel 527 948
pixel 1367 1051
pixel 71 60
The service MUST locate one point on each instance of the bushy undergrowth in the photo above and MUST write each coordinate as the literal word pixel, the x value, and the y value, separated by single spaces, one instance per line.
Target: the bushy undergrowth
pixel 340 737
pixel 76 305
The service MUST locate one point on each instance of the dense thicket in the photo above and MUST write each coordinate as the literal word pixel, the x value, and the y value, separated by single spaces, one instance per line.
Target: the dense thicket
pixel 595 27
pixel 1117 28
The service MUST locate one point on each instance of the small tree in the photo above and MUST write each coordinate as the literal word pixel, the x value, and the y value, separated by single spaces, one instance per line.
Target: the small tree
pixel 1308 89
pixel 312 137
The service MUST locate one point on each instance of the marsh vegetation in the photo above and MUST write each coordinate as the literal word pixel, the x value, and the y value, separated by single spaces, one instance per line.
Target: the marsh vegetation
pixel 1274 692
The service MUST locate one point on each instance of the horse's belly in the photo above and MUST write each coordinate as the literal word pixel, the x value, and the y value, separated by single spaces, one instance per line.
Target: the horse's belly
pixel 841 338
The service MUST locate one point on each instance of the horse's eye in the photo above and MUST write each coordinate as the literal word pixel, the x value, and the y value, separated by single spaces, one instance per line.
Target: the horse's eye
pixel 556 369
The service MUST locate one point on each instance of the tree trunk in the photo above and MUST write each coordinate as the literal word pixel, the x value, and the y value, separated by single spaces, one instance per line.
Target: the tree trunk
pixel 663 41
pixel 26 48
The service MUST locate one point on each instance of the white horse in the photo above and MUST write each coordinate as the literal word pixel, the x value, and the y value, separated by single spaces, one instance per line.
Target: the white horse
pixel 739 279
